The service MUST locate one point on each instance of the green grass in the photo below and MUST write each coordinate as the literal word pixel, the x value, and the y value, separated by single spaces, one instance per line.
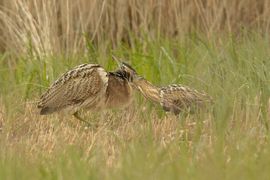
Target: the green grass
pixel 230 141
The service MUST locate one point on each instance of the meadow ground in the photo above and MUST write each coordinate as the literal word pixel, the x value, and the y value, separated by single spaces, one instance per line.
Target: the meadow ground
pixel 228 141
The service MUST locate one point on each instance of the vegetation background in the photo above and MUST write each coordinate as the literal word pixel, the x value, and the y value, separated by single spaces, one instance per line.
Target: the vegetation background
pixel 218 46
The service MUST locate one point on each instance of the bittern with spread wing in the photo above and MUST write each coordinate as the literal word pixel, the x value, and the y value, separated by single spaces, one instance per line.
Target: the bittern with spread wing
pixel 87 86
pixel 174 98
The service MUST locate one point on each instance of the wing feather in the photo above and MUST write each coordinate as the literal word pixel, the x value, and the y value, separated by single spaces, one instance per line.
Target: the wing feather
pixel 74 88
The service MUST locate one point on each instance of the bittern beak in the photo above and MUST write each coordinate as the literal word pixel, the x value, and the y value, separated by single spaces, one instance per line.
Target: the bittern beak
pixel 117 61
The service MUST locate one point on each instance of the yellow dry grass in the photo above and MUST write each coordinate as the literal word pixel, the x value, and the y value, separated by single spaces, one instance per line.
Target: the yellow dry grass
pixel 32 135
pixel 55 26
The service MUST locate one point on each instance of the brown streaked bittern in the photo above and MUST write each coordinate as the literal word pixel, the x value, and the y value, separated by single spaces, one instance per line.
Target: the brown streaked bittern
pixel 87 86
pixel 174 98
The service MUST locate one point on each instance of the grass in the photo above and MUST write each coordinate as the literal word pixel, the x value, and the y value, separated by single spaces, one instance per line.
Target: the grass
pixel 230 141
pixel 55 26
pixel 40 40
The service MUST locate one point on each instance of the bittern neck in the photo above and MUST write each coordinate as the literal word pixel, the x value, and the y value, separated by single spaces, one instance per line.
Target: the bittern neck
pixel 148 90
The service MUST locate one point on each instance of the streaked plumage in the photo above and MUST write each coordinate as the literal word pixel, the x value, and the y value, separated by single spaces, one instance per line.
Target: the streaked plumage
pixel 87 86
pixel 173 98
pixel 177 98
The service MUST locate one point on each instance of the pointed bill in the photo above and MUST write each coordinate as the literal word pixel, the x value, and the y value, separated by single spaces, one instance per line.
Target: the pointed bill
pixel 117 61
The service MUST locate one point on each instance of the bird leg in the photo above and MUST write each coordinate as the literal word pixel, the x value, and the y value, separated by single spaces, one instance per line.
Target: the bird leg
pixel 77 116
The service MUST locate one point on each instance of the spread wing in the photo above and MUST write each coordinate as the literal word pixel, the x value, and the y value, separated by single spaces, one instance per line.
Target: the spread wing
pixel 72 89
pixel 177 97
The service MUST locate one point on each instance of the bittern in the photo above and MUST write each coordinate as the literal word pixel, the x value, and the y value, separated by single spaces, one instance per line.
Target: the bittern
pixel 87 86
pixel 174 98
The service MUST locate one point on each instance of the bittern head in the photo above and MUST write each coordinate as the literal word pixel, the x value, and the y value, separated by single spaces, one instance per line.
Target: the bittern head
pixel 127 71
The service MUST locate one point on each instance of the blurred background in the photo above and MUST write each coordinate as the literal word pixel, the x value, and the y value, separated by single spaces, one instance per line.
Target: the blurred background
pixel 65 26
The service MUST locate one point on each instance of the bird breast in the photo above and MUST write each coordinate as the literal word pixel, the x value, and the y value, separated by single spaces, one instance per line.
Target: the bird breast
pixel 119 92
